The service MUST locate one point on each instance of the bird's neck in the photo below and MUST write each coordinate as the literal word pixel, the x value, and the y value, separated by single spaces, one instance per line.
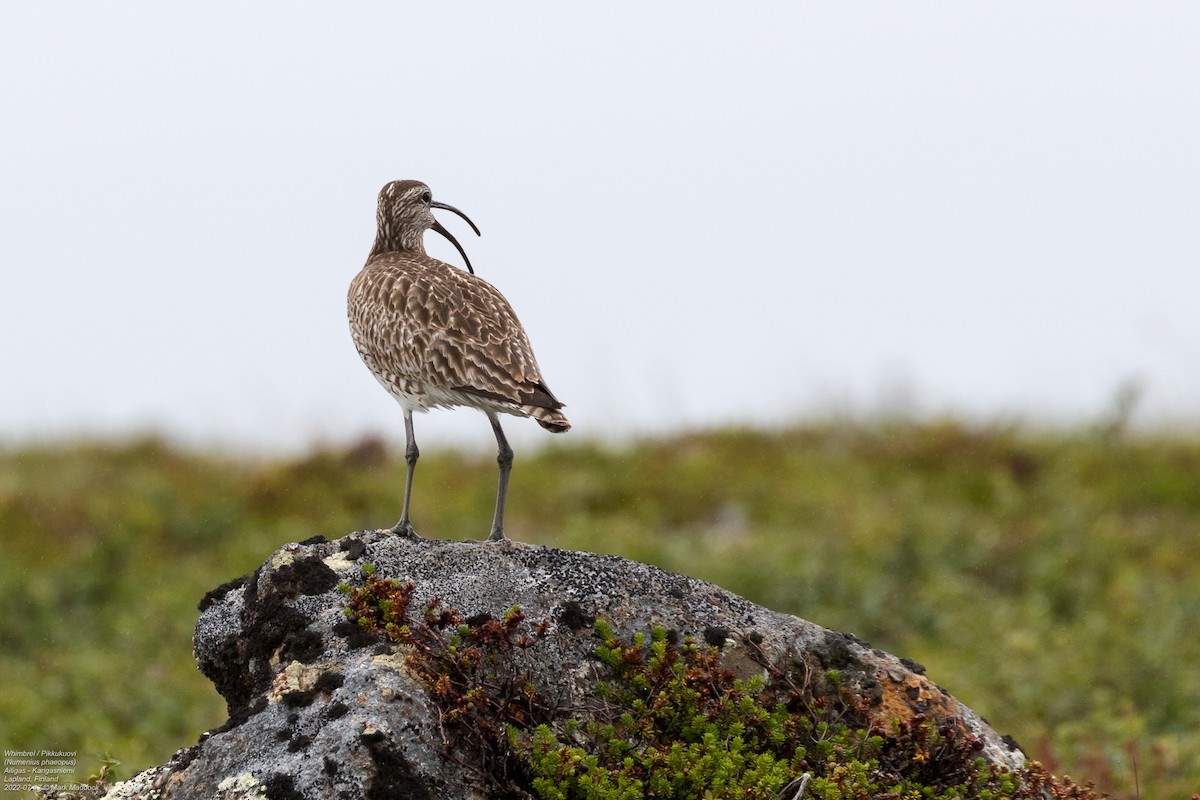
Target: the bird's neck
pixel 390 240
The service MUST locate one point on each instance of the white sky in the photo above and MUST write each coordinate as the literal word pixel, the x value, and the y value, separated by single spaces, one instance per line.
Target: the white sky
pixel 702 212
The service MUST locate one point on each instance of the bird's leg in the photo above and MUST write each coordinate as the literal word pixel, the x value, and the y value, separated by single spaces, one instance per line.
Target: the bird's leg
pixel 504 458
pixel 411 454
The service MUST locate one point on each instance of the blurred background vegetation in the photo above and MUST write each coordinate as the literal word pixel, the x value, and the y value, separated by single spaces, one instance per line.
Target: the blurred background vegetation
pixel 1049 579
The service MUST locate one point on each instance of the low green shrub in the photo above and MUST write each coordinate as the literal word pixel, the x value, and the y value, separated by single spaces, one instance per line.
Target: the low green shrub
pixel 668 721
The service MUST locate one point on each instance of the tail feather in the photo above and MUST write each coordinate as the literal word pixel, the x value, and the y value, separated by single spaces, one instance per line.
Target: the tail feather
pixel 551 419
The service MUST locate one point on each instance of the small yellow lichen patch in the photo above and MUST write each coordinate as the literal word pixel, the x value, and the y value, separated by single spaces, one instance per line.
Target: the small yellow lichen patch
pixel 294 679
pixel 244 787
pixel 281 559
pixel 338 562
pixel 393 660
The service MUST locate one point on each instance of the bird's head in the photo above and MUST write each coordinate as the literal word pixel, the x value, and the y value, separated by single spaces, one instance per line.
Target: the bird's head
pixel 405 213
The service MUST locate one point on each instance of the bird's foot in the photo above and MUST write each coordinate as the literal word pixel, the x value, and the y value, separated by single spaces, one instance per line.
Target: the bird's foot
pixel 497 535
pixel 404 528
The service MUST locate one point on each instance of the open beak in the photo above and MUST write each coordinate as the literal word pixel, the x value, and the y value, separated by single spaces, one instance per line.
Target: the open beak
pixel 437 226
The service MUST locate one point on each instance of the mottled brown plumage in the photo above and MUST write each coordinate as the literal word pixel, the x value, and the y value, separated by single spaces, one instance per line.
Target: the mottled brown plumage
pixel 437 336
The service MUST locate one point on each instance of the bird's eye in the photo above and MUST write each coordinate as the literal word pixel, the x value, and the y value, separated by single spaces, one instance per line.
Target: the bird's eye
pixel 426 198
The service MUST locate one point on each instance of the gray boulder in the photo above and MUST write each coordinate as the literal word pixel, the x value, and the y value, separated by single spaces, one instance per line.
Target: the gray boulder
pixel 320 708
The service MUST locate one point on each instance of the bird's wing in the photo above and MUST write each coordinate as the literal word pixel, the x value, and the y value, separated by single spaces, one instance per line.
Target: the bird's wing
pixel 457 331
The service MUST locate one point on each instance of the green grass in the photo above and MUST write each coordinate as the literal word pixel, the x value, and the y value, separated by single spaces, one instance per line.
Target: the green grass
pixel 1050 580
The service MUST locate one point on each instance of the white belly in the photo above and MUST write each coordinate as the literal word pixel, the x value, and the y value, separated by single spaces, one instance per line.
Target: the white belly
pixel 418 396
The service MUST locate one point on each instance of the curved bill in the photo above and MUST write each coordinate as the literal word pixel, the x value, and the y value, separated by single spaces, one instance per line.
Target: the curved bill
pixel 437 226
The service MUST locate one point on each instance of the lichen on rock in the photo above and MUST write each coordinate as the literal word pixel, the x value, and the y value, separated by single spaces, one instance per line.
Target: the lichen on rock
pixel 321 706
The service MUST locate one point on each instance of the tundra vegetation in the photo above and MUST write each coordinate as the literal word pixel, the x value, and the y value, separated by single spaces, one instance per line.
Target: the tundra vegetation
pixel 1050 579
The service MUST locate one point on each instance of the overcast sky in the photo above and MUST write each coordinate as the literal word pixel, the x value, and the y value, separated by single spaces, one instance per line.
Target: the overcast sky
pixel 702 212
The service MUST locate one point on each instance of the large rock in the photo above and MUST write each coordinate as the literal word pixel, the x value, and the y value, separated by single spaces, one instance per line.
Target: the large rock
pixel 317 708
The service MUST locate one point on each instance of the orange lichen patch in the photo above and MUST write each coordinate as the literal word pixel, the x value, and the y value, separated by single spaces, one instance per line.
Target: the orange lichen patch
pixel 905 694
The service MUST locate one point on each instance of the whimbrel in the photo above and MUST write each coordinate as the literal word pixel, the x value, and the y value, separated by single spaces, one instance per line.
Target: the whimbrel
pixel 436 336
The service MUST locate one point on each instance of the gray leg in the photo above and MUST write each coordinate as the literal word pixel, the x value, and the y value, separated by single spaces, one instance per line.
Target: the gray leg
pixel 504 459
pixel 411 454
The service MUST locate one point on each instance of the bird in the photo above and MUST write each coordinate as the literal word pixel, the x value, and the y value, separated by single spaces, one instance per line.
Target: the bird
pixel 437 336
